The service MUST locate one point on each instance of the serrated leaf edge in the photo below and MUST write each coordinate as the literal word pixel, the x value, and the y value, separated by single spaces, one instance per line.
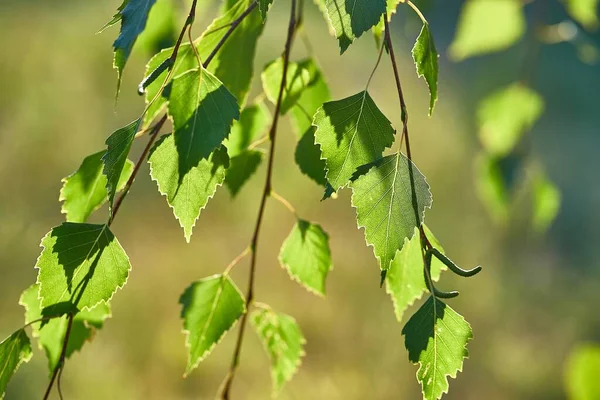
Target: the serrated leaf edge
pixel 21 360
pixel 433 100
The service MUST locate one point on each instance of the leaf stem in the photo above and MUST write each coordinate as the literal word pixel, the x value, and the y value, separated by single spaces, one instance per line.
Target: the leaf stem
pixel 236 260
pixel 61 360
pixel 283 201
pixel 227 383
pixel 136 169
pixel 375 68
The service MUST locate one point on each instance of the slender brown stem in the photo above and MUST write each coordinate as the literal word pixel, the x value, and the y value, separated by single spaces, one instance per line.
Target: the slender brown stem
pixel 136 169
pixel 188 22
pixel 226 387
pixel 61 360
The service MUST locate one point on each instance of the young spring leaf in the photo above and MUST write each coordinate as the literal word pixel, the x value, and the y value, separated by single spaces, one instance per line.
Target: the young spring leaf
pixel 351 18
pixel 253 124
pixel 14 350
pixel 308 157
pixel 80 264
pixel 84 191
pixel 306 256
pixel 202 110
pixel 241 168
pixel 186 193
pixel 426 60
pixel 233 64
pixel 51 334
pixel 283 341
pixel 390 201
pixel 133 16
pixel 436 337
pixel 405 281
pixel 211 307
pixel 487 26
pixel 584 12
pixel 118 146
pixel 300 75
pixel 264 6
pixel 505 115
pixel 351 132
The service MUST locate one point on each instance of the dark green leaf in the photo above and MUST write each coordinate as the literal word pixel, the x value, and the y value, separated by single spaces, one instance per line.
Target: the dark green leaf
pixel 264 6
pixel 436 337
pixel 241 168
pixel 308 157
pixel 211 307
pixel 81 264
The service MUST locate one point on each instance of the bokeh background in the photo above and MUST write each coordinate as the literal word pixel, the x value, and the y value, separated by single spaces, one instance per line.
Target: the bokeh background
pixel 537 299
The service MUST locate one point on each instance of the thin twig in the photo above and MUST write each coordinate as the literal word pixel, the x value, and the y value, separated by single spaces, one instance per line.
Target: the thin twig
pixel 61 359
pixel 226 387
pixel 283 201
pixel 136 169
pixel 236 260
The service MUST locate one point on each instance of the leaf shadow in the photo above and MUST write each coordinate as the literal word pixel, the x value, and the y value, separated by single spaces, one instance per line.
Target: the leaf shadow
pixel 421 327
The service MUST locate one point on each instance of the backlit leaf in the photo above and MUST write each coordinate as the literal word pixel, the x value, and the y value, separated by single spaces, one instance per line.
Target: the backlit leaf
pixel 584 11
pixel 390 201
pixel 241 168
pixel 299 76
pixel 312 97
pixel 253 124
pixel 582 370
pixel 351 132
pixel 264 6
pixel 308 158
pixel 306 256
pixel 351 18
pixel 283 341
pixel 426 59
pixel 546 202
pixel 14 350
pixel 81 264
pixel 436 337
pixel 211 307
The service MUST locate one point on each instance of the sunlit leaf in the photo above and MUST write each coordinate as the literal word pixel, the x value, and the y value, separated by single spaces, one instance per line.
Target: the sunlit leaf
pixel 254 121
pixel 546 202
pixel 436 337
pixel 161 28
pixel 487 26
pixel 426 60
pixel 351 18
pixel 14 350
pixel 584 11
pixel 582 370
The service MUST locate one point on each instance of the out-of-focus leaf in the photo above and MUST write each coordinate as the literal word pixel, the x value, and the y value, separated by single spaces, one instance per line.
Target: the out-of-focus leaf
pixel 546 202
pixel 582 370
pixel 584 11
pixel 161 28
pixel 491 187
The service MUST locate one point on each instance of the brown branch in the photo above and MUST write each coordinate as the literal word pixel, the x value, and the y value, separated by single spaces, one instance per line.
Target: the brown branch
pixel 61 360
pixel 226 387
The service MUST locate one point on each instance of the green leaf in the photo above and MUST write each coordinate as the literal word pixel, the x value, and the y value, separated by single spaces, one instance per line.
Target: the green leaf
pixel 584 12
pixel 202 110
pixel 491 187
pixel 264 6
pixel 306 256
pixel 388 205
pixel 161 28
pixel 299 76
pixel 51 334
pixel 233 65
pixel 133 16
pixel 253 124
pixel 351 132
pixel 351 18
pixel 582 370
pixel 189 193
pixel 308 158
pixel 116 18
pixel 283 341
pixel 118 146
pixel 392 5
pixel 405 280
pixel 546 202
pixel 312 97
pixel 84 191
pixel 241 168
pixel 426 59
pixel 211 307
pixel 505 115
pixel 487 27
pixel 82 265
pixel 14 350
pixel 436 337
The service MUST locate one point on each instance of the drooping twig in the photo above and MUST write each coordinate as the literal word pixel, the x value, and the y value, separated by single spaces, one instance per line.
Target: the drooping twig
pixel 226 387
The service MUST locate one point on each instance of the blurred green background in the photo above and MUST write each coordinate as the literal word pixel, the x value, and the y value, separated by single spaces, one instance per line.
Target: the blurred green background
pixel 538 297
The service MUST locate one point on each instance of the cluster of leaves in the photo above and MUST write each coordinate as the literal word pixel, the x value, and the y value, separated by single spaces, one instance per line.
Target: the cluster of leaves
pixel 202 87
pixel 505 116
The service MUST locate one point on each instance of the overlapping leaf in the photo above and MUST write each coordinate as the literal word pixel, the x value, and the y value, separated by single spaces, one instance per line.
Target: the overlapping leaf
pixel 133 16
pixel 351 132
pixel 161 28
pixel 233 65
pixel 81 265
pixel 186 193
pixel 264 6
pixel 252 125
pixel 306 255
pixel 487 26
pixel 299 77
pixel 390 201
pixel 211 307
pixel 312 97
pixel 505 115
pixel 351 18
pixel 241 168
pixel 308 157
pixel 283 342
pixel 84 191
pixel 115 158
pixel 426 59
pixel 14 350
pixel 405 280
pixel 436 337
pixel 51 334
